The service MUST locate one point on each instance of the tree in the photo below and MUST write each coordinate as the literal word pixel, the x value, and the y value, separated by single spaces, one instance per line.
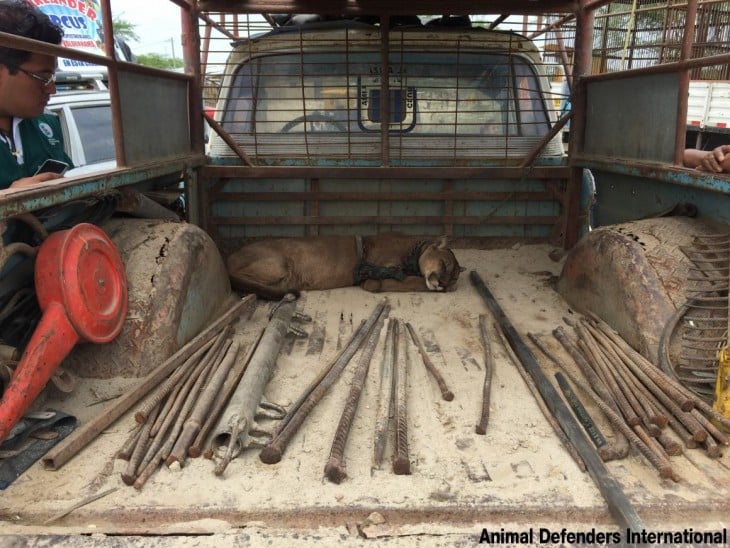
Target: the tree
pixel 158 60
pixel 124 29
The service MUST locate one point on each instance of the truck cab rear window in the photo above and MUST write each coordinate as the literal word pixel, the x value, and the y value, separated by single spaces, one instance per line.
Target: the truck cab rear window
pixel 430 94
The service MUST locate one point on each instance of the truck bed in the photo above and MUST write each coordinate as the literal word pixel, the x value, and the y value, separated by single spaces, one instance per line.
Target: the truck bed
pixel 517 478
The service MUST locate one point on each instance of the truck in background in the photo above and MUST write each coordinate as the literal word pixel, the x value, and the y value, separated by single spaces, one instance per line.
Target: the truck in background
pixel 708 114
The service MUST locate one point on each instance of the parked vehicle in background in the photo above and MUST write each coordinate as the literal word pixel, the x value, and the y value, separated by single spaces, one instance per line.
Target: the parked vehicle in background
pixel 86 121
pixel 708 114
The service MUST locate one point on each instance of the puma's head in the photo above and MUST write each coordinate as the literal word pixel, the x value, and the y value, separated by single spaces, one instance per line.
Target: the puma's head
pixel 439 266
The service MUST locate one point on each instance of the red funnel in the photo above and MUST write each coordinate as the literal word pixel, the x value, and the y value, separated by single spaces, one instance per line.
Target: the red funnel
pixel 82 290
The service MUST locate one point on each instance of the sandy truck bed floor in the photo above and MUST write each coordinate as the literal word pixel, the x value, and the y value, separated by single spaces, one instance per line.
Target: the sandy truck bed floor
pixel 517 477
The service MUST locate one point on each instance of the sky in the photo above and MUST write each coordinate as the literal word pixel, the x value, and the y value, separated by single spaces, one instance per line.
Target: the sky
pixel 157 23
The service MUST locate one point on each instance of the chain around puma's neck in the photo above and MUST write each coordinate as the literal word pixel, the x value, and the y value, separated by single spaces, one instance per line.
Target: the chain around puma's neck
pixel 410 265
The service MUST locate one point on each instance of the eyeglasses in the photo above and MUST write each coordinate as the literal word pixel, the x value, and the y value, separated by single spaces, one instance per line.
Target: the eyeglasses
pixel 46 80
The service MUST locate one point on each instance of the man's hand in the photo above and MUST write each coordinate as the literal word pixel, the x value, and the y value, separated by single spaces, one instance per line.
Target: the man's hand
pixel 716 161
pixel 34 180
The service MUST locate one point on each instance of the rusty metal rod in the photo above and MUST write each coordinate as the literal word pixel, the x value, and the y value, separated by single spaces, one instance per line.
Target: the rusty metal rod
pixel 569 447
pixel 652 420
pixel 711 448
pixel 659 390
pixel 618 422
pixel 125 452
pixel 149 469
pixel 79 438
pixel 620 446
pixel 642 394
pixel 684 434
pixel 335 469
pixel 212 349
pixel 143 443
pixel 632 357
pixel 324 372
pixel 274 450
pixel 627 410
pixel 385 393
pixel 446 394
pixel 662 460
pixel 670 445
pixel 162 415
pixel 196 448
pixel 481 428
pixel 618 503
pixel 580 412
pixel 712 430
pixel 202 406
pixel 401 458
pixel 210 363
pixel 166 429
pixel 173 380
pixel 609 365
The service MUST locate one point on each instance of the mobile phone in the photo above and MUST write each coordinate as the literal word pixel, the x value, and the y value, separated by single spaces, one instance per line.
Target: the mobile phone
pixel 52 166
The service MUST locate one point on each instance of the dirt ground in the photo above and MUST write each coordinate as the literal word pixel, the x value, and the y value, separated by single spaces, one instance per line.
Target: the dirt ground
pixel 517 478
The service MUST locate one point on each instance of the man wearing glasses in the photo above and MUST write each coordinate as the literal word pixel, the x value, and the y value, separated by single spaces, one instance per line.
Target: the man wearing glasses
pixel 28 136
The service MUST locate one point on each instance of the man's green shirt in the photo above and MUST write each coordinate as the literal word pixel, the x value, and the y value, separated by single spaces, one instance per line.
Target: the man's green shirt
pixel 42 139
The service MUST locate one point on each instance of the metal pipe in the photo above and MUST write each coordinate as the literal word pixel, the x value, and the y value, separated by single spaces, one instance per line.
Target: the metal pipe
pixel 235 424
pixel 580 412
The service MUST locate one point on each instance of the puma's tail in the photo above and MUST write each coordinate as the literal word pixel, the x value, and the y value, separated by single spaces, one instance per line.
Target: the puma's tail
pixel 262 291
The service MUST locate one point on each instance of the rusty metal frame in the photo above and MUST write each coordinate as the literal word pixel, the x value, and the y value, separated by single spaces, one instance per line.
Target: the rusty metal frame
pixel 58 192
pixel 551 176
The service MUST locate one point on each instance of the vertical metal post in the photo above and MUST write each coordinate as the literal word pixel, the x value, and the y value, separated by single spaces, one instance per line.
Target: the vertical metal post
pixel 191 57
pixel 385 89
pixel 190 40
pixel 683 91
pixel 583 61
pixel 113 78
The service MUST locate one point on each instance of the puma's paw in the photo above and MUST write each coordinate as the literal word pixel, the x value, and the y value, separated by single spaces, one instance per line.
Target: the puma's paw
pixel 371 285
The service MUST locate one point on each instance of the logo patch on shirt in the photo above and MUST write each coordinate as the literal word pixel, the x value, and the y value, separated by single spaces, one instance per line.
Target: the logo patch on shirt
pixel 46 130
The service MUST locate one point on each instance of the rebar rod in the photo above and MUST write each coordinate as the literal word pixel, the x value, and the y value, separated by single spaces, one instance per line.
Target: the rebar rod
pixel 385 394
pixel 401 457
pixel 481 427
pixel 274 450
pixel 202 406
pixel 446 394
pixel 335 469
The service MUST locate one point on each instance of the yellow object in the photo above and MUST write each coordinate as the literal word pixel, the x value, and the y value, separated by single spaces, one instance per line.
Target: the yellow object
pixel 722 388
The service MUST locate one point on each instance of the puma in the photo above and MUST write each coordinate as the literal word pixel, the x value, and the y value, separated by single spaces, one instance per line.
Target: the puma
pixel 272 268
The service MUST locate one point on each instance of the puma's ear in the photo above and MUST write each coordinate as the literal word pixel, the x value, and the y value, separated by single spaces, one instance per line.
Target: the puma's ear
pixel 442 242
